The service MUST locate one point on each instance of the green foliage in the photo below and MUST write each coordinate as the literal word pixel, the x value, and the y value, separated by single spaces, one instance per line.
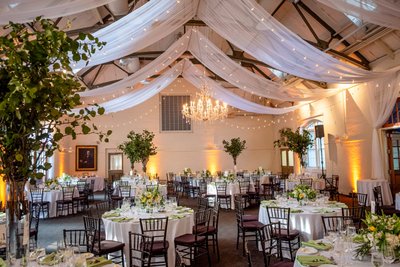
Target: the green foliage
pixel 298 142
pixel 37 94
pixel 139 148
pixel 234 148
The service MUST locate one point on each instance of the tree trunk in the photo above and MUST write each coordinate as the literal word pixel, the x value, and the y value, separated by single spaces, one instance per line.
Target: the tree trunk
pixel 144 165
pixel 17 213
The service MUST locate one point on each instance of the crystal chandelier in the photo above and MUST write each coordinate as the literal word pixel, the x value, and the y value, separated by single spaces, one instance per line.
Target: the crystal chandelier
pixel 203 109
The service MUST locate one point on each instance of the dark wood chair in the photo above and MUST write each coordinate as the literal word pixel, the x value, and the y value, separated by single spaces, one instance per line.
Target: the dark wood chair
pixel 269 245
pixel 101 247
pixel 357 214
pixel 332 186
pixel 66 203
pixel 282 232
pixel 156 228
pixel 380 208
pixel 334 223
pixel 306 181
pixel 222 197
pixel 76 238
pixel 245 229
pixel 359 199
pixel 37 200
pixel 212 232
pixel 194 245
pixel 137 251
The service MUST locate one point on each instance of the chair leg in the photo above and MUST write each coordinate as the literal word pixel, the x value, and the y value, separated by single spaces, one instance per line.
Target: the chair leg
pixel 243 240
pixel 216 242
pixel 237 238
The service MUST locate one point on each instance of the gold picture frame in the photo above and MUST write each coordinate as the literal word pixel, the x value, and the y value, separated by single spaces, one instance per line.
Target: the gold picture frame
pixel 86 158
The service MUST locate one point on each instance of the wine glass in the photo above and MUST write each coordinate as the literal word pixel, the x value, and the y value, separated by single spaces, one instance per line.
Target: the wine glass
pixel 377 259
pixel 388 254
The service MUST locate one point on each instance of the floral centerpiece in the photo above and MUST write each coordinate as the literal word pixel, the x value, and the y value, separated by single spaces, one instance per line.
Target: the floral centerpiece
pixel 260 171
pixel 65 178
pixel 51 183
pixel 205 173
pixel 382 230
pixel 151 198
pixel 301 192
pixel 187 171
pixel 228 176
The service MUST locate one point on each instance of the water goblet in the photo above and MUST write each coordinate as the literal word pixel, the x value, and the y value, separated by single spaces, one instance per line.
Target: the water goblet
pixel 388 254
pixel 377 259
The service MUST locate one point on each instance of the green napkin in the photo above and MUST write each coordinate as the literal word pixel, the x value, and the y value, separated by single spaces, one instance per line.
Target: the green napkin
pixel 313 260
pixel 2 263
pixel 325 211
pixel 317 245
pixel 176 216
pixel 96 262
pixel 296 211
pixel 338 205
pixel 121 219
pixel 185 211
pixel 50 259
pixel 111 214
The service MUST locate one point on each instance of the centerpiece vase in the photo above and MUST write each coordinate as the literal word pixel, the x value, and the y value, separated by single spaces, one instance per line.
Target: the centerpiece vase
pixel 17 216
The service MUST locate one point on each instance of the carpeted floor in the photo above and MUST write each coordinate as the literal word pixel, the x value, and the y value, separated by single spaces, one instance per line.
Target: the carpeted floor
pixel 50 231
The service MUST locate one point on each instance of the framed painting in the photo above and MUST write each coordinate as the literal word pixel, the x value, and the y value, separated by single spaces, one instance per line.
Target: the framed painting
pixel 86 158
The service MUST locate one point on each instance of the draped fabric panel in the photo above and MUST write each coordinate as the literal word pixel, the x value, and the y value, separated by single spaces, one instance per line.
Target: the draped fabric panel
pixel 195 77
pixel 160 63
pixel 381 12
pixel 27 10
pixel 146 92
pixel 141 28
pixel 218 62
pixel 248 26
pixel 381 95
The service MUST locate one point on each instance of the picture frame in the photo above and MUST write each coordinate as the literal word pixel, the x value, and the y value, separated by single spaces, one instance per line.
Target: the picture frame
pixel 86 158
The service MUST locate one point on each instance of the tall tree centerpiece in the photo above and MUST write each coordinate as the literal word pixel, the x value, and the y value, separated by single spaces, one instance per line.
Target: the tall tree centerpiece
pixel 234 148
pixel 37 93
pixel 139 148
pixel 298 141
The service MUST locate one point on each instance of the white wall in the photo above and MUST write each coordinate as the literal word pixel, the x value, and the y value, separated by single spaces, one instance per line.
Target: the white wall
pixel 202 148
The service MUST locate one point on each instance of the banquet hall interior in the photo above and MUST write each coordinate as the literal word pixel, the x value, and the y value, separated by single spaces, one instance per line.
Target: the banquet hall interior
pixel 208 133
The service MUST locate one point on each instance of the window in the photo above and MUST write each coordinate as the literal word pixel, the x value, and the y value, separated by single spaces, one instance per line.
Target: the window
pixel 313 157
pixel 394 118
pixel 396 154
pixel 171 113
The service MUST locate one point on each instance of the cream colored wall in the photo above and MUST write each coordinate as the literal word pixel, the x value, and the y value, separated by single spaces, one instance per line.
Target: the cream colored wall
pixel 199 149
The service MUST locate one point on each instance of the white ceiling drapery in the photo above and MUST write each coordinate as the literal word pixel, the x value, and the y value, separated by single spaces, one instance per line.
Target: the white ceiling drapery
pixel 381 12
pixel 27 10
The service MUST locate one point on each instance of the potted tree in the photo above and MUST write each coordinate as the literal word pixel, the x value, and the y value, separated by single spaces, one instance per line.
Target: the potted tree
pixel 234 148
pixel 37 94
pixel 139 148
pixel 298 142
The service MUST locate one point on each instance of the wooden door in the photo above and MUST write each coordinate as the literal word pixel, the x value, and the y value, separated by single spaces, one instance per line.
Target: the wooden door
pixel 393 150
pixel 287 161
pixel 115 165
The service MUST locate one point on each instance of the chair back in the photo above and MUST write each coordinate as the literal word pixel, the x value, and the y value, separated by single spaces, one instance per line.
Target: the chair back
pixel 102 207
pixel 248 255
pixel 377 191
pixel 203 188
pixel 171 187
pixel 306 181
pixel 359 199
pixel 125 191
pixel 202 218
pixel 76 238
pixel 202 203
pixel 92 228
pixel 151 187
pixel 137 253
pixel 34 218
pixel 68 192
pixel 215 215
pixel 279 217
pixel 221 188
pixel 244 187
pixel 269 245
pixel 155 227
pixel 333 223
pixel 36 195
pixel 356 214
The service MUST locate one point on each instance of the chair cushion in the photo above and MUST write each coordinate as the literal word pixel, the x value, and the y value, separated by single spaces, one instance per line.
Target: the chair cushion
pixel 249 218
pixel 252 225
pixel 283 235
pixel 223 196
pixel 189 240
pixel 211 230
pixel 159 247
pixel 108 246
pixel 199 229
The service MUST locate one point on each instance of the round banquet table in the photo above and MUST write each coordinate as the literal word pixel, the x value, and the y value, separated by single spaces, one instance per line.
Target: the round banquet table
pixel 98 182
pixel 308 222
pixel 317 184
pixel 366 186
pixel 119 231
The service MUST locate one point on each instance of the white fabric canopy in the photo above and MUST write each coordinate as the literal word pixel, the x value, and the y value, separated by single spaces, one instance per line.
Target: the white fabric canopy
pixel 27 10
pixel 141 28
pixel 248 26
pixel 381 95
pixel 155 66
pixel 139 96
pixel 194 76
pixel 380 12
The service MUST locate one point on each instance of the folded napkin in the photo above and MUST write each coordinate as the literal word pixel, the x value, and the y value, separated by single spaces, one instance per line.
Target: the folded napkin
pixel 111 214
pixel 338 205
pixel 185 211
pixel 50 259
pixel 96 262
pixel 296 211
pixel 176 216
pixel 325 210
pixel 317 244
pixel 313 260
pixel 2 263
pixel 121 219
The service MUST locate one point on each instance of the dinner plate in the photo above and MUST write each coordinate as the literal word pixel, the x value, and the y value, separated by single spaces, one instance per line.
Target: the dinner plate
pixel 87 255
pixel 328 265
pixel 308 250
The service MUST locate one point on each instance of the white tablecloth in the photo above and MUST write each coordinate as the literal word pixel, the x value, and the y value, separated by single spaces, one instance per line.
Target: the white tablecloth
pixel 138 189
pixel 366 186
pixel 317 184
pixel 98 182
pixel 309 222
pixel 176 227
